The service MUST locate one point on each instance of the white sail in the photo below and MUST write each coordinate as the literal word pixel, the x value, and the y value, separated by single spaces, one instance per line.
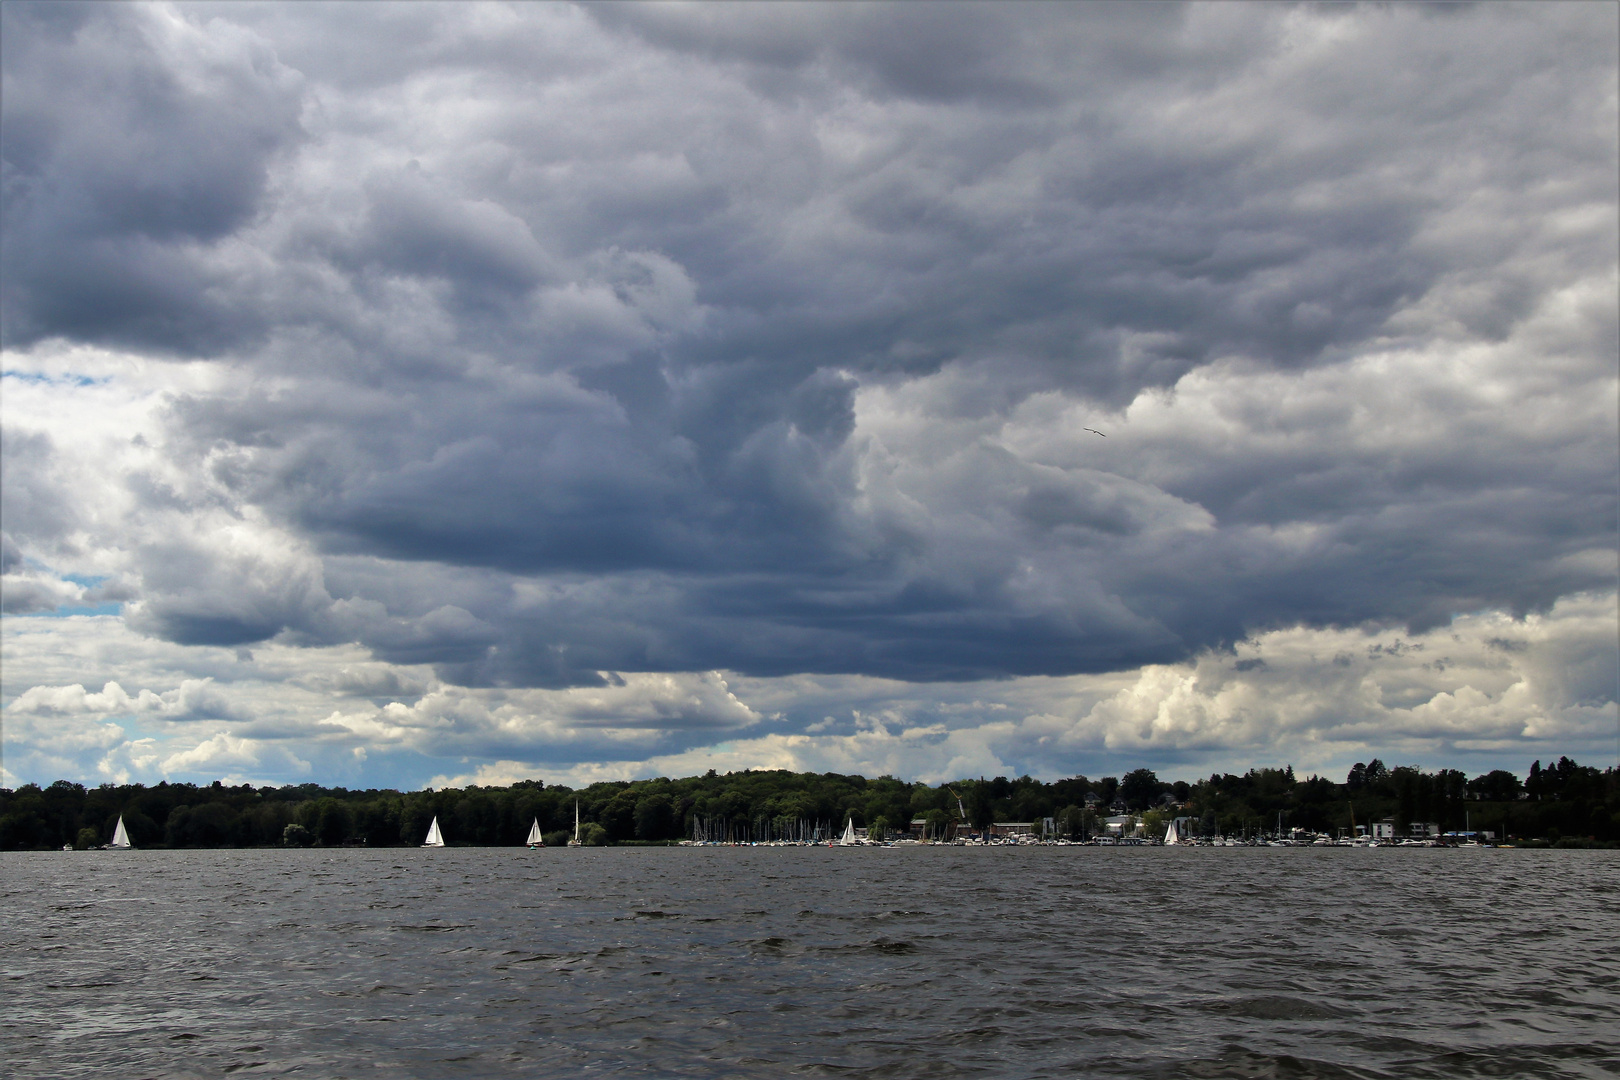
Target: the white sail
pixel 575 841
pixel 434 837
pixel 535 839
pixel 849 834
pixel 120 836
pixel 1172 834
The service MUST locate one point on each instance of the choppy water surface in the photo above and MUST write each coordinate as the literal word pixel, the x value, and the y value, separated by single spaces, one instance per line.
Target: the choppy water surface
pixel 931 963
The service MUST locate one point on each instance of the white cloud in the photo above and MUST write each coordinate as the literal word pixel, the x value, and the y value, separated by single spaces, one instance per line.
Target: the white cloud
pixel 222 754
pixel 26 593
pixel 1488 689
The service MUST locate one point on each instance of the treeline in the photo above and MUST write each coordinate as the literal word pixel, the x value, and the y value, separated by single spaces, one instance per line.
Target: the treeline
pixel 1565 800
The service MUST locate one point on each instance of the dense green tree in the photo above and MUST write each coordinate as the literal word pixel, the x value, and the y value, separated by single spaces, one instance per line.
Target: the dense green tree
pixel 209 824
pixel 938 823
pixel 143 831
pixel 1140 789
pixel 1071 822
pixel 979 799
pixel 1498 785
pixel 618 816
pixel 415 817
pixel 23 828
pixel 655 817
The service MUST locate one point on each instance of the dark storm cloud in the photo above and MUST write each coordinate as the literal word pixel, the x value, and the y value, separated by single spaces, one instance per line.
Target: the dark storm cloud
pixel 10 555
pixel 134 146
pixel 195 594
pixel 554 324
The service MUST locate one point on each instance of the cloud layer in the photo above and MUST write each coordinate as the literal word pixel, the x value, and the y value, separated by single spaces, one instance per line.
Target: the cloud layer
pixel 523 354
pixel 1487 689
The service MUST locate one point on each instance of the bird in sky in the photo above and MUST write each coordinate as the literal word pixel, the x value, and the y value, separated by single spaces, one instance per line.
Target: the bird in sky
pixel 1094 431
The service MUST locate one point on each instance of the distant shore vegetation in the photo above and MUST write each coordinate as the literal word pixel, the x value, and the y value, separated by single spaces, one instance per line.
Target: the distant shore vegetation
pixel 1563 803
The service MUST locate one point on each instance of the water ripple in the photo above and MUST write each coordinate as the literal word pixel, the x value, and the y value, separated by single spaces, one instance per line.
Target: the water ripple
pixel 927 963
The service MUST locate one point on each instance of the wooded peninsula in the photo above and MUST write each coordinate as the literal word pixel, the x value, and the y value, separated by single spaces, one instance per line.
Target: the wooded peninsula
pixel 1565 803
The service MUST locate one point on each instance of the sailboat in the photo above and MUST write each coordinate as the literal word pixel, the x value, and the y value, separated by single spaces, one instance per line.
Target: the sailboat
pixel 848 839
pixel 1172 835
pixel 535 839
pixel 120 840
pixel 434 837
pixel 575 841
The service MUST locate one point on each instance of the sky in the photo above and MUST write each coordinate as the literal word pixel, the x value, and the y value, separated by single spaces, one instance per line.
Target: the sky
pixel 434 394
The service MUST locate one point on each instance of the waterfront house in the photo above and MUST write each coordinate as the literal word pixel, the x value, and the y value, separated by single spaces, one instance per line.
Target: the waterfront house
pixel 1020 829
pixel 1122 825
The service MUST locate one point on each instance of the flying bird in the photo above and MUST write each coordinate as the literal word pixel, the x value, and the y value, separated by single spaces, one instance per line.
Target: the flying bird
pixel 1094 431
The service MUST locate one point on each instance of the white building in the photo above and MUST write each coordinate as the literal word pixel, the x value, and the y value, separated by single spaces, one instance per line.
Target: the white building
pixel 1122 825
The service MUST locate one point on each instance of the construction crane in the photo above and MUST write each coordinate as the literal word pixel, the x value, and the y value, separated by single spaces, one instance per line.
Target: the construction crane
pixel 961 811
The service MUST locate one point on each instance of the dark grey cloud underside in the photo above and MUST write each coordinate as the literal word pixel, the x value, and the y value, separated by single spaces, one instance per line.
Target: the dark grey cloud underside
pixel 1037 214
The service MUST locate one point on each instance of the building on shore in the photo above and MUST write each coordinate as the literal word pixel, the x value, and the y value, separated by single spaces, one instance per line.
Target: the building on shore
pixel 1021 830
pixel 1122 825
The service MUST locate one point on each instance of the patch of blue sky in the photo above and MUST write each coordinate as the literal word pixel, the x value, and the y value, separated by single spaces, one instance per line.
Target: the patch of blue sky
pixel 69 379
pixel 134 729
pixel 88 581
pixel 68 610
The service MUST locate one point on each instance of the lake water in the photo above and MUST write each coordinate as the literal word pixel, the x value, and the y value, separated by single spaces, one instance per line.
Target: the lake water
pixel 929 963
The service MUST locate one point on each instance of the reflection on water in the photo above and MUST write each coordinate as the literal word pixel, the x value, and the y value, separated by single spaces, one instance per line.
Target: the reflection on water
pixel 931 962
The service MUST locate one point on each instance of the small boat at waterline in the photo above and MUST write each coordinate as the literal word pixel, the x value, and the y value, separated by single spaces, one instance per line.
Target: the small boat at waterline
pixel 120 840
pixel 434 837
pixel 535 839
